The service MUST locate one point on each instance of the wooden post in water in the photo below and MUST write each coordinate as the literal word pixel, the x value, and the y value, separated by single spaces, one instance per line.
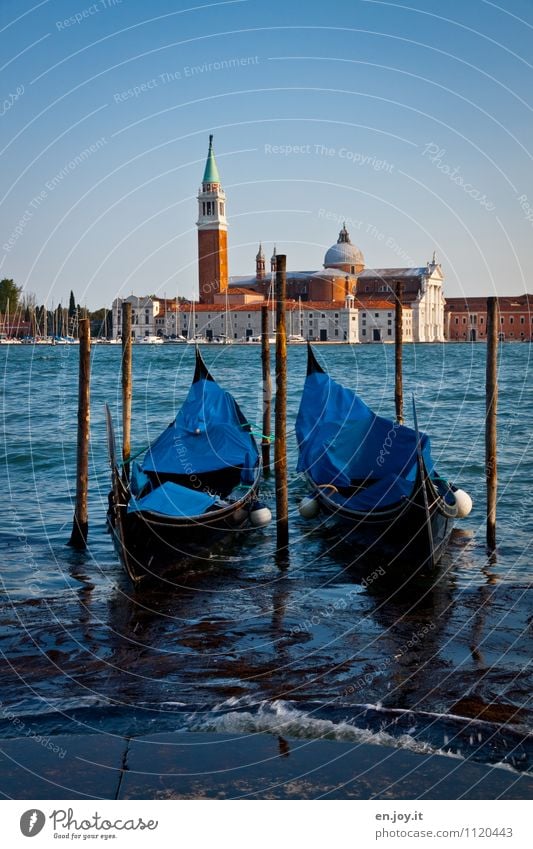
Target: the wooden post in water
pixel 280 444
pixel 398 353
pixel 267 390
pixel 80 525
pixel 491 401
pixel 126 387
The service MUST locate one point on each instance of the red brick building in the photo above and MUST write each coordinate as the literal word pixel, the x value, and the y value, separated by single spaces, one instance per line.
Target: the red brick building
pixel 466 319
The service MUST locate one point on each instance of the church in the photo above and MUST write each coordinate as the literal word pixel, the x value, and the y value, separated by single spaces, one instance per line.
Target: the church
pixel 343 283
pixel 341 302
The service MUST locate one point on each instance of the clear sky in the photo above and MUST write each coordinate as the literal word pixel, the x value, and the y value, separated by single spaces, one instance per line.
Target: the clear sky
pixel 412 121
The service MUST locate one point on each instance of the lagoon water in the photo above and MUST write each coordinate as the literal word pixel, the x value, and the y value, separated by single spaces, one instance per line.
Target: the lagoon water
pixel 317 650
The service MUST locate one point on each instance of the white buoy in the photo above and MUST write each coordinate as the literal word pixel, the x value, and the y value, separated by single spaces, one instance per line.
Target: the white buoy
pixel 463 502
pixel 260 516
pixel 308 508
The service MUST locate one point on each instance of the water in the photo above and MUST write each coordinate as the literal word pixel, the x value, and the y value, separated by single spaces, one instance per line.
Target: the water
pixel 316 650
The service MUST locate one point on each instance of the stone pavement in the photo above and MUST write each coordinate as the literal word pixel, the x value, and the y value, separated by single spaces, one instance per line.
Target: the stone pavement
pixel 239 766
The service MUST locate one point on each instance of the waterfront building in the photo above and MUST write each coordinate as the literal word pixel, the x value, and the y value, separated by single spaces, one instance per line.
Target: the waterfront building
pixel 342 302
pixel 466 319
pixel 144 313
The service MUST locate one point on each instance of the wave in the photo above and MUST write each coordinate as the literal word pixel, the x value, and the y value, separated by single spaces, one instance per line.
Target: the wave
pixel 416 731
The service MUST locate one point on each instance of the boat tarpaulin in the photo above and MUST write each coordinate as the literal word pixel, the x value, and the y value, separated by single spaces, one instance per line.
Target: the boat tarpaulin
pixel 171 499
pixel 379 495
pixel 208 434
pixel 343 442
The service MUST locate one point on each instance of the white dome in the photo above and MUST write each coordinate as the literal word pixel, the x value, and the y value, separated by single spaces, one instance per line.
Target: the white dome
pixel 343 252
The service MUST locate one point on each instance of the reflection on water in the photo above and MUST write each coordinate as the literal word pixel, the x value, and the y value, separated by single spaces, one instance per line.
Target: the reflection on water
pixel 323 648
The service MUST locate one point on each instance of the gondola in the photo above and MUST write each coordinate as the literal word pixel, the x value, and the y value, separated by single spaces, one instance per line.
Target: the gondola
pixel 374 476
pixel 197 482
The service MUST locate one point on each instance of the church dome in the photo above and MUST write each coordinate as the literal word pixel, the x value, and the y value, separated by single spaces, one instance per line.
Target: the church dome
pixel 343 255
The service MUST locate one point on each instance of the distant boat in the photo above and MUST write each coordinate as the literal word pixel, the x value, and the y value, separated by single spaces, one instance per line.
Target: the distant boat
pixel 374 476
pixel 194 338
pixel 177 340
pixel 152 340
pixel 197 482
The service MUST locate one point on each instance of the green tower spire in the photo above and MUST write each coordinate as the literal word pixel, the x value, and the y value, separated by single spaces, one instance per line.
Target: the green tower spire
pixel 211 174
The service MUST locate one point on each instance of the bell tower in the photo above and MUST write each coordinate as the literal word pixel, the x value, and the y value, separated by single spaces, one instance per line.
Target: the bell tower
pixel 212 233
pixel 260 263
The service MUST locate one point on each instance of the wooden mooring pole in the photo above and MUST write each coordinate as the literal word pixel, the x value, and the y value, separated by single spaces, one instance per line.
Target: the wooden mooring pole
pixel 491 401
pixel 80 525
pixel 267 390
pixel 126 387
pixel 280 444
pixel 398 353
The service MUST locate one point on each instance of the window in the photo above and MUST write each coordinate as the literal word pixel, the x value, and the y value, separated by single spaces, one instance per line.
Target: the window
pixel 364 322
pixel 511 319
pixel 323 315
pixel 457 321
pixel 364 315
pixel 203 207
pixel 389 315
pixel 464 319
pixel 389 332
pixel 336 315
pixel 363 332
pixel 336 331
pixel 376 315
pixel 389 321
pixel 522 319
pixel 481 319
pixel 501 319
pixel 147 319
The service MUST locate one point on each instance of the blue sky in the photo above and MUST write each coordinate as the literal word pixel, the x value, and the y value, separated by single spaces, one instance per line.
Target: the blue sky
pixel 412 122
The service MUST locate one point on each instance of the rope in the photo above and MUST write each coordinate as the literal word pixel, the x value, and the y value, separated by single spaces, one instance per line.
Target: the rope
pixel 254 430
pixel 132 457
pixel 327 486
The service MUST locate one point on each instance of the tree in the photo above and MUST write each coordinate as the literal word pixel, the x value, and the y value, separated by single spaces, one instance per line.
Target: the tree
pixel 9 292
pixel 72 305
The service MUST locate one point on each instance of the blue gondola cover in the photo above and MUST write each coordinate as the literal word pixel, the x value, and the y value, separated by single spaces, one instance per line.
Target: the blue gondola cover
pixel 171 499
pixel 342 442
pixel 208 434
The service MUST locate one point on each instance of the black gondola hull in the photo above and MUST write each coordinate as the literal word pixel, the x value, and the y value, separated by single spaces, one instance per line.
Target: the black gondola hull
pixel 344 450
pixel 151 546
pixel 398 538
